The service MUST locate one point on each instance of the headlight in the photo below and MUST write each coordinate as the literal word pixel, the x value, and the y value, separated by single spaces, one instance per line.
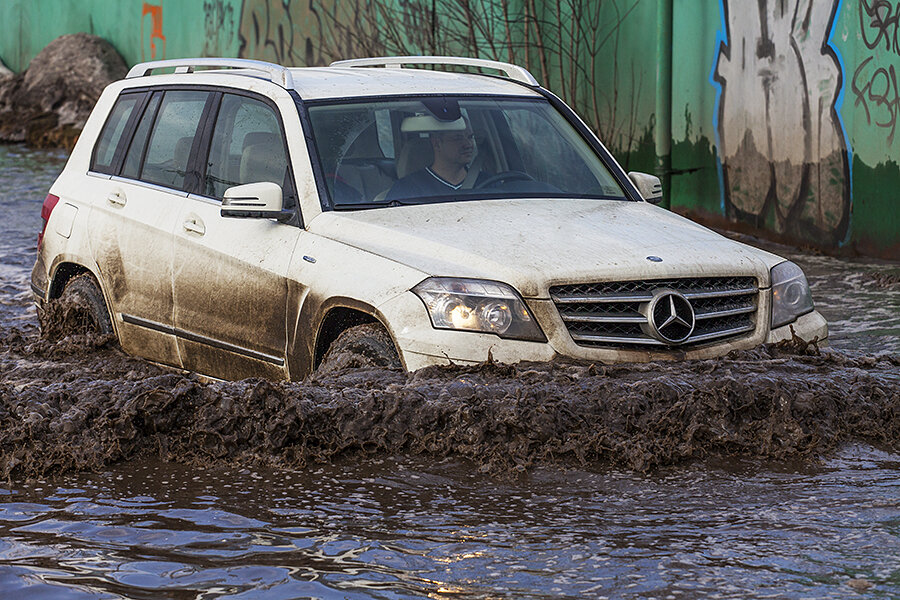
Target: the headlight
pixel 478 305
pixel 790 294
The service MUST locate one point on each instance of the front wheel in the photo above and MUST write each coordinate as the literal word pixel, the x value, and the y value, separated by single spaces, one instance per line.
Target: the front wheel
pixel 367 345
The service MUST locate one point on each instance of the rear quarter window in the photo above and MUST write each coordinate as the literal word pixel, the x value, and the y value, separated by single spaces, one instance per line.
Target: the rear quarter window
pixel 135 154
pixel 111 135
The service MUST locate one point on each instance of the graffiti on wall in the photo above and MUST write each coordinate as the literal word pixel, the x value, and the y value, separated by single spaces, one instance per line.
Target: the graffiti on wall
pixel 219 18
pixel 782 146
pixel 875 86
pixel 156 31
pixel 267 32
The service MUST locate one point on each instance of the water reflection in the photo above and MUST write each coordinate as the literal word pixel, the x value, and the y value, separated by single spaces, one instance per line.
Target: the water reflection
pixel 403 528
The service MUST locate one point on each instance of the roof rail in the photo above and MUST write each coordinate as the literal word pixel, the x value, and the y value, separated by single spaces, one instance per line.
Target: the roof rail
pixel 276 73
pixel 511 71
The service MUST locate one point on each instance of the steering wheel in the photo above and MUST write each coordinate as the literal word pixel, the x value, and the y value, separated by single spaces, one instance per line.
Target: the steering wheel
pixel 505 176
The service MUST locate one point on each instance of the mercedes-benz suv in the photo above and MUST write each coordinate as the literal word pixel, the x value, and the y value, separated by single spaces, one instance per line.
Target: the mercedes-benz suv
pixel 238 218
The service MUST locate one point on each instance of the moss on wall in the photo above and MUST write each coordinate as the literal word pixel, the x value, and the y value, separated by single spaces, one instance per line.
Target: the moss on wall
pixel 876 208
pixel 636 155
pixel 695 177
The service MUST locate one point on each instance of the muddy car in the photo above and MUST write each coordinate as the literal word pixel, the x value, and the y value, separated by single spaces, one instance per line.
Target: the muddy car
pixel 238 218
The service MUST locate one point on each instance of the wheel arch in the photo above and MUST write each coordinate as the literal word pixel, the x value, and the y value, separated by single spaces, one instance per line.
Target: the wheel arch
pixel 336 320
pixel 62 273
pixel 340 314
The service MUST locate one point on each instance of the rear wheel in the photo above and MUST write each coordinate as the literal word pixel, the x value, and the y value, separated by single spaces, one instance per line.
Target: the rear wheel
pixel 367 345
pixel 80 309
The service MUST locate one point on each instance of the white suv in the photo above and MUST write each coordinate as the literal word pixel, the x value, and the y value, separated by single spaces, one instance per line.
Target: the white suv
pixel 239 218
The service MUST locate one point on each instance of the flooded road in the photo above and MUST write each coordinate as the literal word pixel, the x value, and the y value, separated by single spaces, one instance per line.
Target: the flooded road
pixel 773 473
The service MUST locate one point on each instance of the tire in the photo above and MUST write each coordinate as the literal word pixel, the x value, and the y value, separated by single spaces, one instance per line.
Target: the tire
pixel 362 346
pixel 80 309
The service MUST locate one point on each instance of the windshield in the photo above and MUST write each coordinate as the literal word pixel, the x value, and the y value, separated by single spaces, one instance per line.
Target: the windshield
pixel 440 149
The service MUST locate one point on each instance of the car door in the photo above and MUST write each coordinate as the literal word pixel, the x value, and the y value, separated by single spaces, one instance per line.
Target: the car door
pixel 132 222
pixel 230 274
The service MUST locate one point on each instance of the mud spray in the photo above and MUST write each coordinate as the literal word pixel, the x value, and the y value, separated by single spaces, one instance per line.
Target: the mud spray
pixel 71 400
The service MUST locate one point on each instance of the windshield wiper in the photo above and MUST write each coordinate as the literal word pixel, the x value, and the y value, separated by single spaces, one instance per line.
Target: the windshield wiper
pixel 364 205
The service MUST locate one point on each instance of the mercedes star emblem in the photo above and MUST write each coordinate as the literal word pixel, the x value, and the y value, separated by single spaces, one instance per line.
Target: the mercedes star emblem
pixel 670 317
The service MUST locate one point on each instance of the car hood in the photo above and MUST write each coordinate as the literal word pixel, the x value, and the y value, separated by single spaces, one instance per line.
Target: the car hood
pixel 535 243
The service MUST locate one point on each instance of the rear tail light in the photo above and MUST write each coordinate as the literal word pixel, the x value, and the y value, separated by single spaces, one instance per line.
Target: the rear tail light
pixel 49 204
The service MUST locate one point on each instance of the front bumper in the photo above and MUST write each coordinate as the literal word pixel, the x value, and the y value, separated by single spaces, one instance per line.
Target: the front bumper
pixel 809 327
pixel 420 345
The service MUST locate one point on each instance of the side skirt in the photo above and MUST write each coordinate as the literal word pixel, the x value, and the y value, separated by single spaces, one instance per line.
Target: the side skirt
pixel 201 339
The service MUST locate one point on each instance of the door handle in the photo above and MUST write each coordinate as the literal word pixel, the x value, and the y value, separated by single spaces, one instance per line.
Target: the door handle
pixel 194 226
pixel 117 198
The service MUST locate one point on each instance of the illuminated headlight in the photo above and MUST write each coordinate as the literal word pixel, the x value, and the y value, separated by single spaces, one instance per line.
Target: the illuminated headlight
pixel 790 294
pixel 478 305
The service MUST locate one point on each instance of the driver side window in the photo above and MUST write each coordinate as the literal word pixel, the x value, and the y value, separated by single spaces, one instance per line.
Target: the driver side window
pixel 247 147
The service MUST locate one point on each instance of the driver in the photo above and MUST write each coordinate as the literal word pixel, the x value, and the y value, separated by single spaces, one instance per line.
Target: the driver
pixel 453 153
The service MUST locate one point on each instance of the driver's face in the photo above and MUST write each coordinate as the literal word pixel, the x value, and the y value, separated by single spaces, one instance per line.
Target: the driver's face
pixel 457 147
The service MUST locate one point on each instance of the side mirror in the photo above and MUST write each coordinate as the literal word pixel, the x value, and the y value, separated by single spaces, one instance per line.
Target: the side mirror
pixel 648 185
pixel 263 200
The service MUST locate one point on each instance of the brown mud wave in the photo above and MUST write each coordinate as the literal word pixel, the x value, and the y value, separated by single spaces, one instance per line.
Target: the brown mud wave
pixel 79 403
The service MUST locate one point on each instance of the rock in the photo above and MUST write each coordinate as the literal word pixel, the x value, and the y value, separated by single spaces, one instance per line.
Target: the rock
pixel 48 104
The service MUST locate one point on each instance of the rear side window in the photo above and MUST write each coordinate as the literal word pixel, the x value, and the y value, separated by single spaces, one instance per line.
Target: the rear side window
pixel 111 136
pixel 172 137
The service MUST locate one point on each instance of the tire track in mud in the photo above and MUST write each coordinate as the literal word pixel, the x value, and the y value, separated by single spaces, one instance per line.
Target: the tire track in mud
pixel 79 403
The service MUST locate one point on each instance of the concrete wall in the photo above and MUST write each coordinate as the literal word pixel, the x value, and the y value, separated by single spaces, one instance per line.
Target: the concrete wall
pixel 777 116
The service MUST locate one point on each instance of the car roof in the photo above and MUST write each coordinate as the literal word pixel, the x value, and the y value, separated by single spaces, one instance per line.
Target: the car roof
pixel 344 82
pixel 346 79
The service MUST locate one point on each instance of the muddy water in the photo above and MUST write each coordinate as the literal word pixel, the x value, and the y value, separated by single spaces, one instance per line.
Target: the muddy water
pixel 773 473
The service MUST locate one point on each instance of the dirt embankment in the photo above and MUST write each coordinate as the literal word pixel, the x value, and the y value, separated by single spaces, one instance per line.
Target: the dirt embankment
pixel 79 403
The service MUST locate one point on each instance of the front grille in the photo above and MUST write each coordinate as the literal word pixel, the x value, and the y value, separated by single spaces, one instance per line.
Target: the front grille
pixel 613 314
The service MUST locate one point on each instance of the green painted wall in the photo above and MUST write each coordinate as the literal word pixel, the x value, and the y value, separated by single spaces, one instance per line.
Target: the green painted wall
pixel 781 116
pixel 190 28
